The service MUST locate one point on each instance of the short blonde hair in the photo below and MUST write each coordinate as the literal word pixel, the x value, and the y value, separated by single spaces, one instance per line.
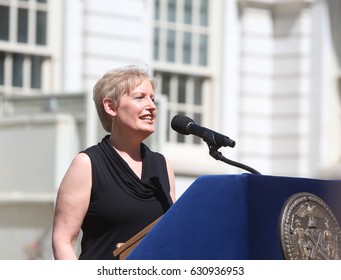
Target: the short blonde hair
pixel 114 84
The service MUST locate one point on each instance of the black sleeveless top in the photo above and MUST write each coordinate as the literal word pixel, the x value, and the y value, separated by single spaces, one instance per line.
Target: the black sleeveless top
pixel 121 204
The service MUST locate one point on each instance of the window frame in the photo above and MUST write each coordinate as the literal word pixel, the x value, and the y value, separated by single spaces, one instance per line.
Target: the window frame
pixel 188 157
pixel 49 53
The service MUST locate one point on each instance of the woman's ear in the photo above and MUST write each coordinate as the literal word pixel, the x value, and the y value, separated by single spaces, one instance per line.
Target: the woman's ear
pixel 109 106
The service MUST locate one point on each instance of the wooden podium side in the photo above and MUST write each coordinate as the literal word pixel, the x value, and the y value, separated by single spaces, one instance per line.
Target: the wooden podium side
pixel 123 251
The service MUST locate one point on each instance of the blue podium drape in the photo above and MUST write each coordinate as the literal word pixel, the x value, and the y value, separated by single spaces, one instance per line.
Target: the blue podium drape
pixel 232 217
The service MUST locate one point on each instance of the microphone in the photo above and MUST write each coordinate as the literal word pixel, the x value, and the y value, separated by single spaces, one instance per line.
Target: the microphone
pixel 185 125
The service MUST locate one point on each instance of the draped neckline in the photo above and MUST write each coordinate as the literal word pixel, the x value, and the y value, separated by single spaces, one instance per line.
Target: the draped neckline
pixel 142 188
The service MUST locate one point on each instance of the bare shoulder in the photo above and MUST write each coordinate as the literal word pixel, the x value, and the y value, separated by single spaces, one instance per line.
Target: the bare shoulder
pixel 82 160
pixel 78 175
pixel 80 165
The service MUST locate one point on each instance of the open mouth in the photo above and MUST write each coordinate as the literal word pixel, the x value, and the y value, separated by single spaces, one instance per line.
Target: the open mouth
pixel 147 118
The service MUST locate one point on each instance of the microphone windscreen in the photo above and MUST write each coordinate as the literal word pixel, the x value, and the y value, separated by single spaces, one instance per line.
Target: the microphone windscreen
pixel 180 123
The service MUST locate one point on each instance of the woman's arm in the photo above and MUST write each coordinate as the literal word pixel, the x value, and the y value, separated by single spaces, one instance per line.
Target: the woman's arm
pixel 71 206
pixel 171 180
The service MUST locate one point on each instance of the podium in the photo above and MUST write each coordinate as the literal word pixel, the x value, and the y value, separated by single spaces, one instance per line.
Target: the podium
pixel 230 217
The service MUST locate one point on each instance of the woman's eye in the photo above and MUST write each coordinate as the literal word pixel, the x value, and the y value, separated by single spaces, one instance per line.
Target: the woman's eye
pixel 144 98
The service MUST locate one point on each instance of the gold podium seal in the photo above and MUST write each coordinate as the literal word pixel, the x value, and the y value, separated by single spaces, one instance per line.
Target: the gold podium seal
pixel 308 229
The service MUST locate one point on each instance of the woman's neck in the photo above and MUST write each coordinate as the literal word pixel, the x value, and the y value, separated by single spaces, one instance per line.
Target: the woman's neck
pixel 126 147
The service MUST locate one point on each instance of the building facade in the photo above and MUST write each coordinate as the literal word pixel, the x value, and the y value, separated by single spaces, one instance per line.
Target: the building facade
pixel 266 73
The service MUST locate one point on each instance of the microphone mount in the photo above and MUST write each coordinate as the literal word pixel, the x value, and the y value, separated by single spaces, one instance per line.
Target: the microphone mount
pixel 213 151
pixel 185 125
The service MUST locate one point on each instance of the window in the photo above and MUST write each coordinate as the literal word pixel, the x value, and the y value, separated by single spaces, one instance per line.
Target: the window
pixel 184 94
pixel 4 23
pixel 18 69
pixel 181 43
pixel 2 68
pixel 181 26
pixel 41 24
pixel 24 26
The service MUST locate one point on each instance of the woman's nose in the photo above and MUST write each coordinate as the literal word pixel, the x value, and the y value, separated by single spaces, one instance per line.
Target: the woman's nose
pixel 150 103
